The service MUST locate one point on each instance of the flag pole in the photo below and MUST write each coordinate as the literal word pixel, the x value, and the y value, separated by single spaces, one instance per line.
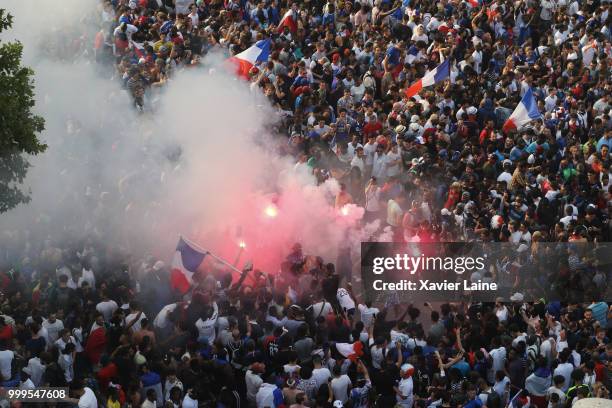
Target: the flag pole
pixel 224 262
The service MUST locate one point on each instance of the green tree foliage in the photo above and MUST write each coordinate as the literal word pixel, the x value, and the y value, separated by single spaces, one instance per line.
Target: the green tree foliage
pixel 19 127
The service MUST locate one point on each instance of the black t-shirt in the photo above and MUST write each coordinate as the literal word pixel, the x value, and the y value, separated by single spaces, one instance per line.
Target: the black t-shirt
pixel 385 380
pixel 340 334
pixel 54 375
pixel 402 32
pixel 330 287
pixel 35 346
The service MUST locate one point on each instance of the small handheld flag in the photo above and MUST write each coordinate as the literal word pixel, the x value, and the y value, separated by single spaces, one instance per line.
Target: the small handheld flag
pixel 525 112
pixel 438 74
pixel 288 21
pixel 258 52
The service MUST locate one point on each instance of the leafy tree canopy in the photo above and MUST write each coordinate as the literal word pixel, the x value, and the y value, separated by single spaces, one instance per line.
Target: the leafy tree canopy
pixel 19 126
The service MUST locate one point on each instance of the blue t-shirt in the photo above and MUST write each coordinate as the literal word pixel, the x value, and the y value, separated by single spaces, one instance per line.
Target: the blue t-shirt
pixel 462 366
pixel 475 403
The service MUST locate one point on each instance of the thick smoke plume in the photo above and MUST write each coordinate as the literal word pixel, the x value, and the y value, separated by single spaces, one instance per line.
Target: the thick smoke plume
pixel 203 164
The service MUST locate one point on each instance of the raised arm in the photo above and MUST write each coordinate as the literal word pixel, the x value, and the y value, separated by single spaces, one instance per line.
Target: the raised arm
pixel 400 357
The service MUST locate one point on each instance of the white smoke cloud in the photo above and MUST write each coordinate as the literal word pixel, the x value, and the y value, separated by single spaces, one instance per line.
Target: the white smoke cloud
pixel 119 175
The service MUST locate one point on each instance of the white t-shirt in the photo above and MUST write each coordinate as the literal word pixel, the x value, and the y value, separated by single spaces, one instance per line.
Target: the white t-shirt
pixel 67 363
pixel 321 375
pixel 500 386
pixel 477 58
pixel 107 309
pixel 368 151
pixel 555 390
pixel 206 328
pixel 546 349
pixel 36 370
pixel 502 313
pixel 505 176
pixel 27 385
pixel 129 31
pixel 6 360
pixel 405 387
pixel 161 320
pixel 345 300
pixel 88 399
pixel 395 169
pixel 378 355
pixel 373 199
pixel 515 237
pixel 87 276
pixel 253 382
pixel 519 338
pixel 291 369
pixel 565 369
pixel 61 344
pixel 340 387
pixel 131 317
pixel 321 309
pixel 53 329
pixel 368 314
pixel 189 402
pixel 379 162
pixel 498 356
pixel 394 213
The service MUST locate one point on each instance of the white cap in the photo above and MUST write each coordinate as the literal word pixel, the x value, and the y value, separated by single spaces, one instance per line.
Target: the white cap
pixel 472 110
pixel 338 404
pixel 531 159
pixel 414 127
pixel 414 118
pixel 517 297
pixel 406 368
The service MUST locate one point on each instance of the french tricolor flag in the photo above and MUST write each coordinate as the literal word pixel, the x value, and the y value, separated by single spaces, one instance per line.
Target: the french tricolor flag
pixel 352 351
pixel 525 112
pixel 438 74
pixel 187 259
pixel 250 57
pixel 288 21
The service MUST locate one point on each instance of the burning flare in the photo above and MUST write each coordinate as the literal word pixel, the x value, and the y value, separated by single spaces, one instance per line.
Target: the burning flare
pixel 271 211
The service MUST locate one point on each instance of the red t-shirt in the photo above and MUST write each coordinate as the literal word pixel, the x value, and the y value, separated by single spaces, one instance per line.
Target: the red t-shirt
pixel 6 333
pixel 372 128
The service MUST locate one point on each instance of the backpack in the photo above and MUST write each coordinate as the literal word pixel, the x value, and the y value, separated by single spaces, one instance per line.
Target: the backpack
pixel 533 352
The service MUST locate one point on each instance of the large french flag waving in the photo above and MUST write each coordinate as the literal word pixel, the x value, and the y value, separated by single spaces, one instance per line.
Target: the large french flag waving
pixel 258 52
pixel 438 74
pixel 187 259
pixel 525 112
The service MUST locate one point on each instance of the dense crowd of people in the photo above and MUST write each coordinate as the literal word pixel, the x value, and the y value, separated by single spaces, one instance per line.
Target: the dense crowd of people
pixel 436 166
